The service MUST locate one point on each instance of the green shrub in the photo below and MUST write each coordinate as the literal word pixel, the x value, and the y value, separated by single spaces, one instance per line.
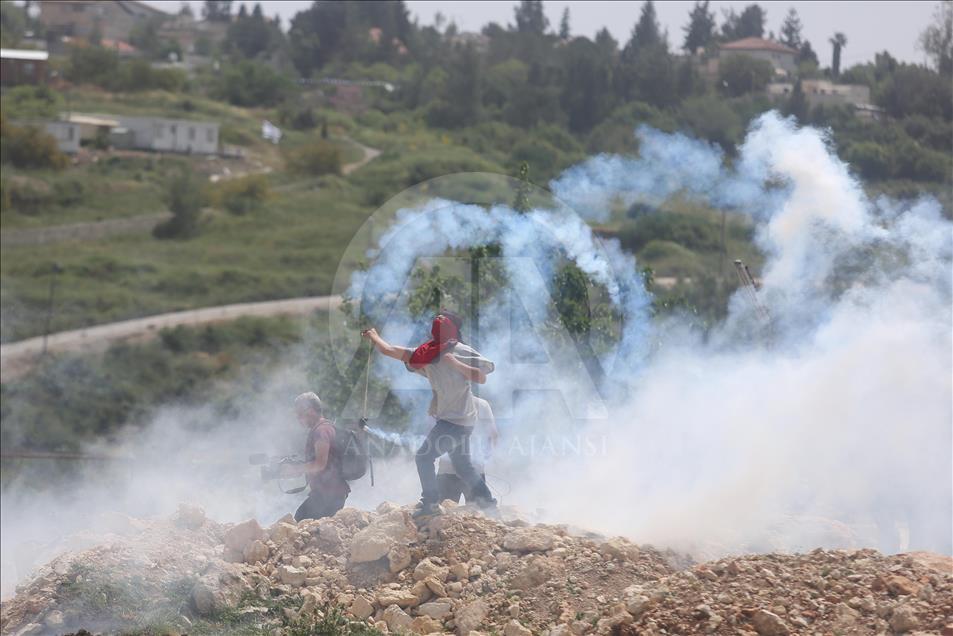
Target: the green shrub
pixel 712 119
pixel 103 67
pixel 695 232
pixel 545 160
pixel 252 84
pixel 872 160
pixel 317 158
pixel 92 65
pixel 26 194
pixel 242 195
pixel 30 102
pixel 29 147
pixel 229 134
pixel 138 75
pixel 297 117
pixel 185 196
pixel 68 192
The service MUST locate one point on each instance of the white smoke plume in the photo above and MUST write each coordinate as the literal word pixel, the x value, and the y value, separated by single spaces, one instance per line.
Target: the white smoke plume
pixel 830 426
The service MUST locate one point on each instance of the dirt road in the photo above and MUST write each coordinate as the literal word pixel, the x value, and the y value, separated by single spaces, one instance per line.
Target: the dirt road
pixel 17 358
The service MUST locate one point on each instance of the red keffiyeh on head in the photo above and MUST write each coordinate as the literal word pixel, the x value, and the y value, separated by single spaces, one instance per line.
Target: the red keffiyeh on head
pixel 445 335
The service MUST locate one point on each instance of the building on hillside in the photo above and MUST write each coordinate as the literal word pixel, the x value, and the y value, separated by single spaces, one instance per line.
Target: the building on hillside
pixel 158 134
pixel 91 127
pixel 479 41
pixel 167 135
pixel 21 66
pixel 112 20
pixel 782 58
pixel 194 37
pixel 123 49
pixel 822 92
pixel 67 135
pixel 348 98
pixel 869 112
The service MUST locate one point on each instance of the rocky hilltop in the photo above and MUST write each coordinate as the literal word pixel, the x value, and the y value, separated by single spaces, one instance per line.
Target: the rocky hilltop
pixel 461 572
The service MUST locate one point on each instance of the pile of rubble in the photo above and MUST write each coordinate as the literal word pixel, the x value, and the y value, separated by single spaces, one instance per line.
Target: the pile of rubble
pixel 461 572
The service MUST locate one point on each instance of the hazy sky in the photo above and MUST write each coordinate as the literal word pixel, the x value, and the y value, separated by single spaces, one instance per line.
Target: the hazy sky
pixel 870 27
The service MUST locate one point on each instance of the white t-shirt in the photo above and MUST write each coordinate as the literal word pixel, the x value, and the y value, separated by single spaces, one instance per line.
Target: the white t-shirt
pixel 452 398
pixel 479 440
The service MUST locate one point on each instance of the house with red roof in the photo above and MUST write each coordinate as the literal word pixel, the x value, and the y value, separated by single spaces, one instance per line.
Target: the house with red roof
pixel 782 58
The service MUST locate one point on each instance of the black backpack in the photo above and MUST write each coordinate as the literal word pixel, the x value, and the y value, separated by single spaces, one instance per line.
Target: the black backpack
pixel 351 452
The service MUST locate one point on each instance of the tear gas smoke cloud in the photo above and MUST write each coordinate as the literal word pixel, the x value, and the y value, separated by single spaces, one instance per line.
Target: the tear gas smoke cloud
pixel 842 411
pixel 830 426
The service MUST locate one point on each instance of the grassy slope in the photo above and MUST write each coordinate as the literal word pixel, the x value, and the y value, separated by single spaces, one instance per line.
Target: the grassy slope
pixel 290 247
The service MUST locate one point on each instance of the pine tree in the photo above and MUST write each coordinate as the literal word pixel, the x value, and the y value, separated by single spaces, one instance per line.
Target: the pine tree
pixel 750 24
pixel 530 17
pixel 564 25
pixel 937 39
pixel 646 33
pixel 217 10
pixel 791 30
pixel 700 29
pixel 806 54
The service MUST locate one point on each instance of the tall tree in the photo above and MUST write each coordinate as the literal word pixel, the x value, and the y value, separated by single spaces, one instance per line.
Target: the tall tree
pixel 797 103
pixel 564 25
pixel 530 17
pixel 937 39
pixel 806 54
pixel 749 24
pixel 588 83
pixel 606 43
pixel 217 10
pixel 838 41
pixel 251 35
pixel 791 30
pixel 700 30
pixel 646 33
pixel 316 34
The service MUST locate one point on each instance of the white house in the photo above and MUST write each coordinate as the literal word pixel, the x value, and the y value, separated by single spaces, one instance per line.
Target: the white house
pixel 171 135
pixel 67 135
pixel 138 133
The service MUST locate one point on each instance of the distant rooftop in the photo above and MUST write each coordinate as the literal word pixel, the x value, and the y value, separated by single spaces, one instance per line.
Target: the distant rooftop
pixel 757 44
pixel 24 54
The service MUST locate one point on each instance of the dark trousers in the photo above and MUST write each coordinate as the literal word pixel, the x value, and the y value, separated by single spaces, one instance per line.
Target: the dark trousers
pixel 450 486
pixel 319 505
pixel 454 440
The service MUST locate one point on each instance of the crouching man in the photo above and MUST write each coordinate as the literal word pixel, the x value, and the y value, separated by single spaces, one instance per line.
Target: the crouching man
pixel 322 468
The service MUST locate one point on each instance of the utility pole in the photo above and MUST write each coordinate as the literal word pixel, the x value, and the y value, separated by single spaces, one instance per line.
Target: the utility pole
pixel 475 256
pixel 49 306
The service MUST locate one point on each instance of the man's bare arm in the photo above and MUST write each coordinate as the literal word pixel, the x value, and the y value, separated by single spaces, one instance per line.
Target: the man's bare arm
pixel 387 349
pixel 473 374
pixel 321 451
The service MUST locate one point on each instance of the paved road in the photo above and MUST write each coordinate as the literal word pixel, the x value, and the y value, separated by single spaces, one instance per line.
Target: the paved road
pixel 17 358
